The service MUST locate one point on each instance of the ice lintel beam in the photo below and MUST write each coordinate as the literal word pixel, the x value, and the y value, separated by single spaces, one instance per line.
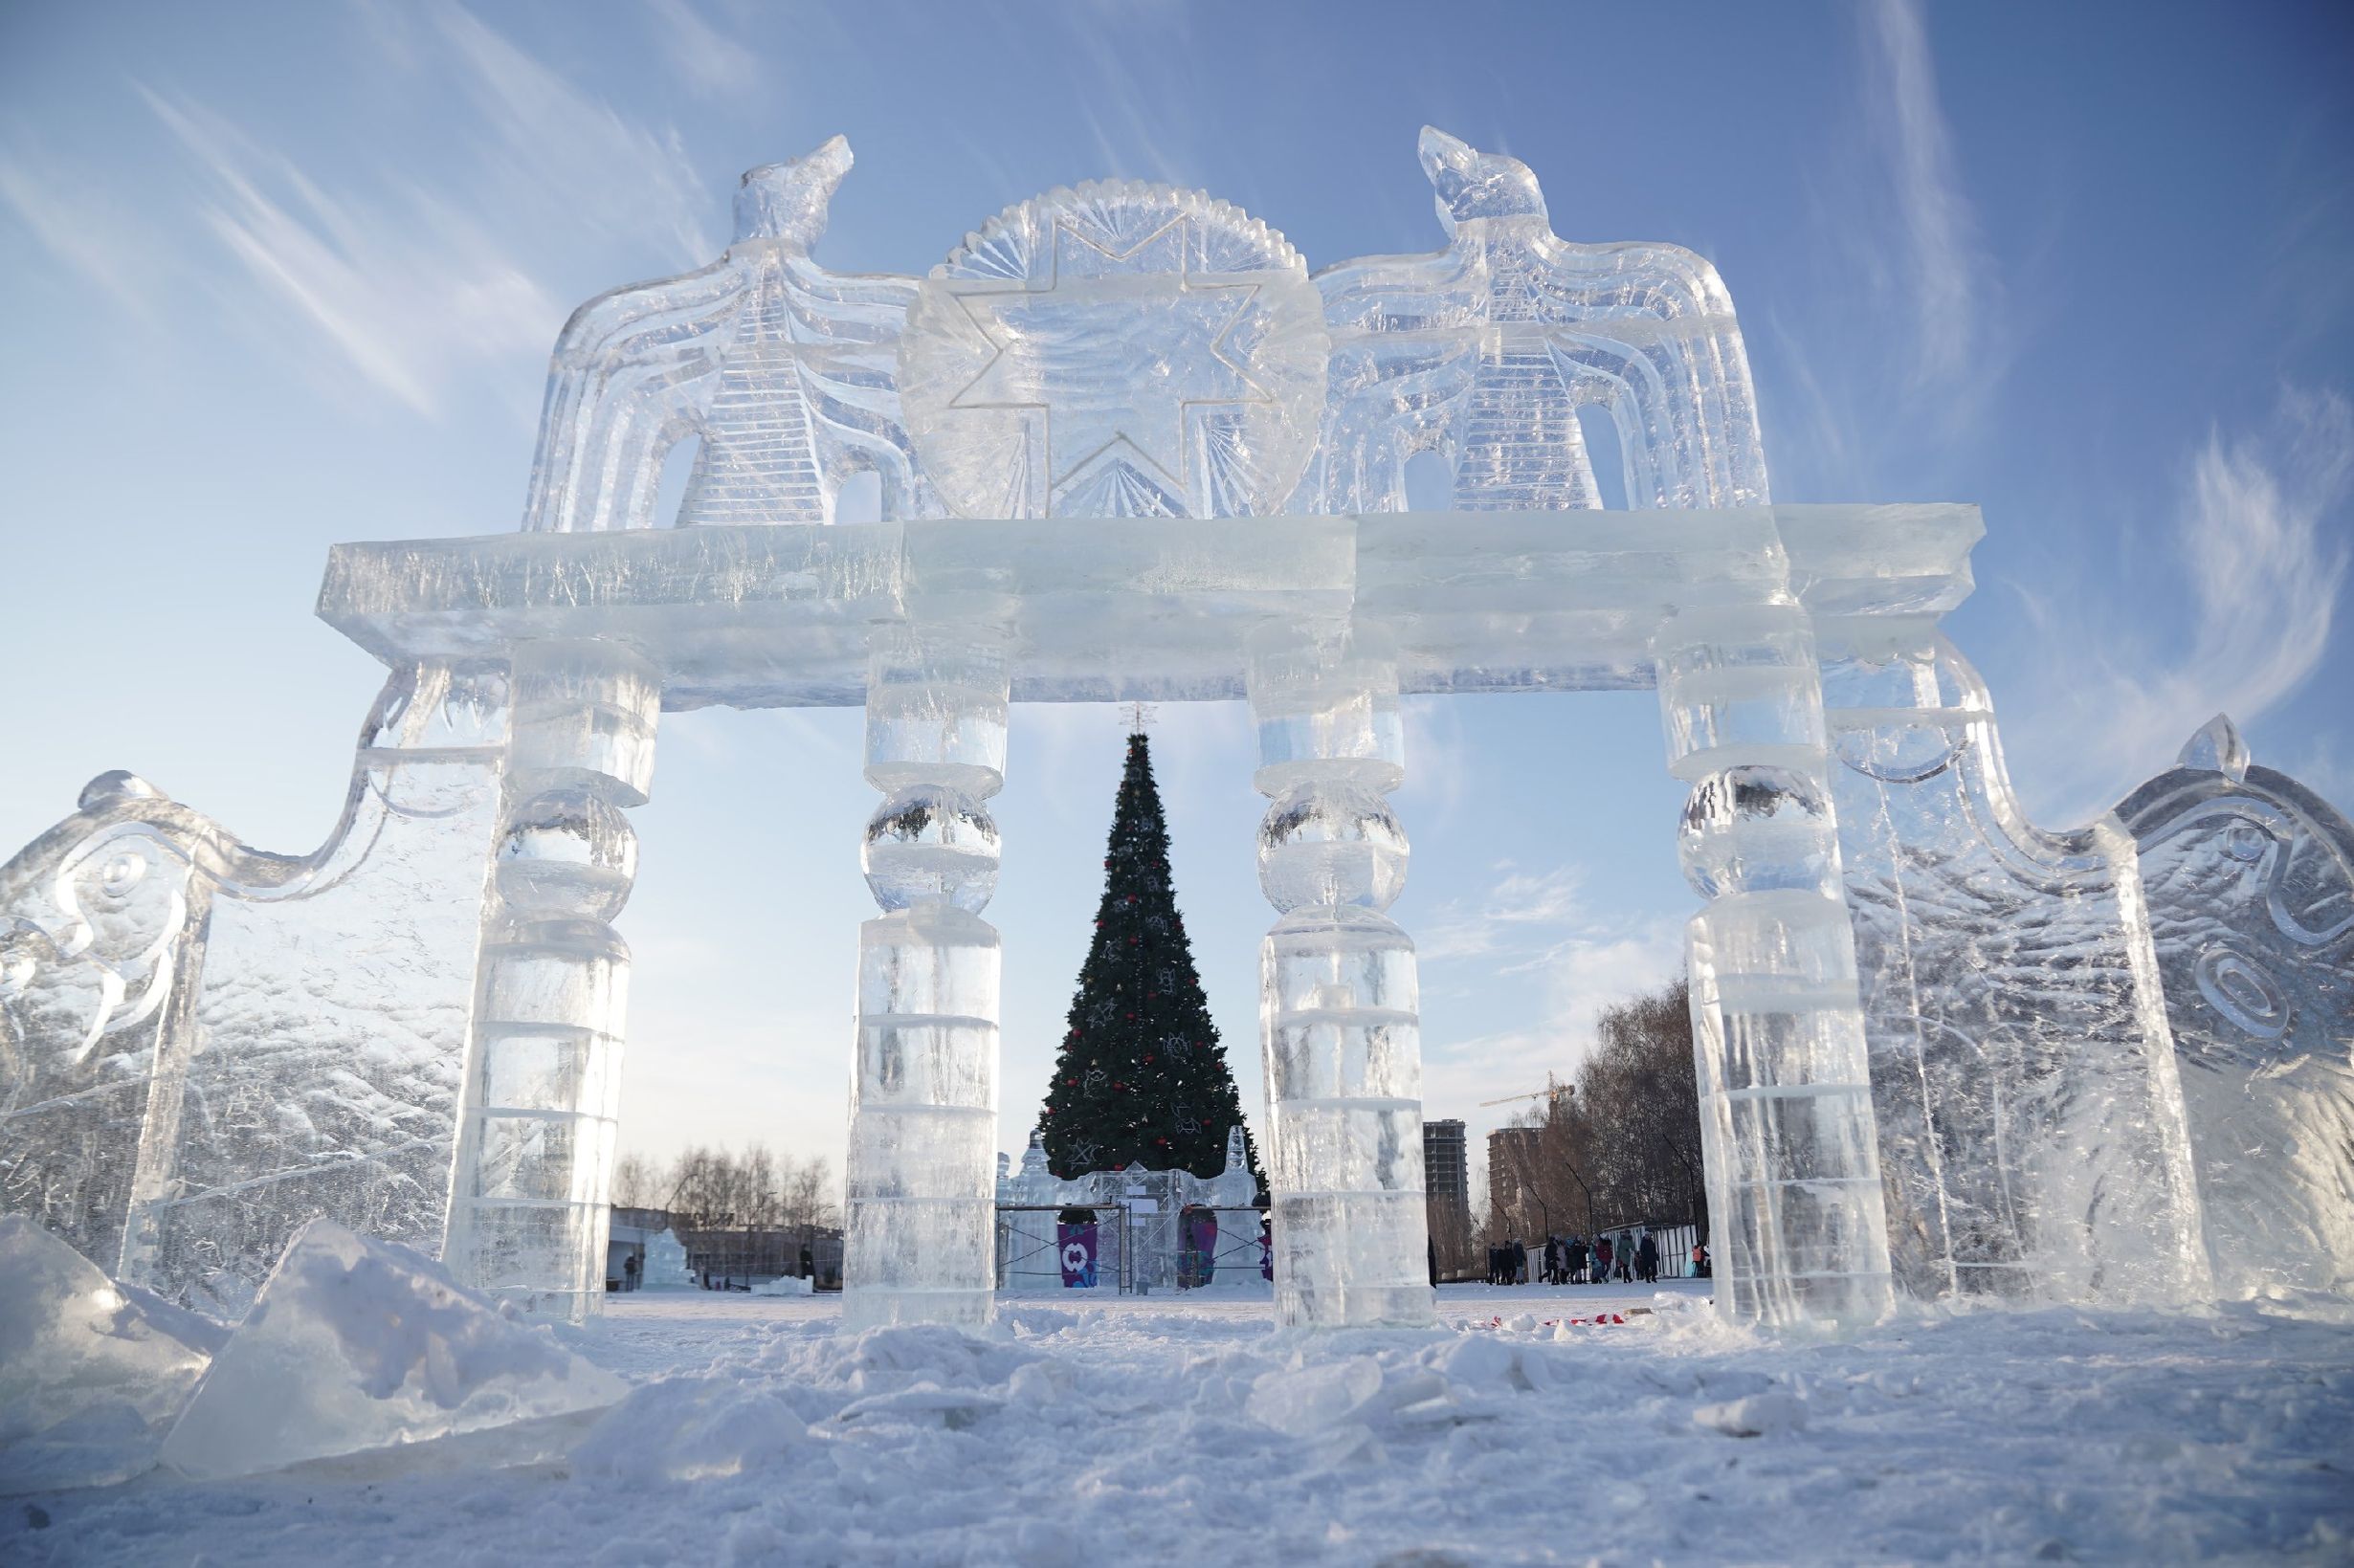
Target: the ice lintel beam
pixel 1114 609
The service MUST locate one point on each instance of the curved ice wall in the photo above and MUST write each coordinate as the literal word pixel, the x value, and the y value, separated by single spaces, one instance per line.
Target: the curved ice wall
pixel 202 1046
pixel 2249 878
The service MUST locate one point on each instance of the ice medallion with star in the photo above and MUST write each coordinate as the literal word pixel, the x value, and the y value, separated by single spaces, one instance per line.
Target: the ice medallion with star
pixel 1111 361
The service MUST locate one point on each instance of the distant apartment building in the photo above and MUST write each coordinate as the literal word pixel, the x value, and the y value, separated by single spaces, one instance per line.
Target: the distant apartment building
pixel 1513 1154
pixel 1446 1163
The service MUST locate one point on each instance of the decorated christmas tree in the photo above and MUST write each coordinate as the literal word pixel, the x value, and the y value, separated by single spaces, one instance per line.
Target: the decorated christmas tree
pixel 1142 1078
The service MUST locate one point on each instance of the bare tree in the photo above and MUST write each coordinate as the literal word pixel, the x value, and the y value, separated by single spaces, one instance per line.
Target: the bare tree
pixel 637 1184
pixel 1619 1146
pixel 808 1193
pixel 1452 1235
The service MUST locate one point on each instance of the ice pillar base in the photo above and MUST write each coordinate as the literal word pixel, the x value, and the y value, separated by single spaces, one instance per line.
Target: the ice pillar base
pixel 1796 1220
pixel 1339 1003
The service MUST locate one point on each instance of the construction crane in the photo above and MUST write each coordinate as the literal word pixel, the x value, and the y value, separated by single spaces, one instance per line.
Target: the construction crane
pixel 1552 1093
pixel 1554 1090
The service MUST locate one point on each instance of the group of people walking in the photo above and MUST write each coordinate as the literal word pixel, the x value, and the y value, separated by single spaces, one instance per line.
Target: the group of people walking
pixel 1575 1261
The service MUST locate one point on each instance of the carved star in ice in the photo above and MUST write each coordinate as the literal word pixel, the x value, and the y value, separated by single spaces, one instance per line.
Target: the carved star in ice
pixel 1111 358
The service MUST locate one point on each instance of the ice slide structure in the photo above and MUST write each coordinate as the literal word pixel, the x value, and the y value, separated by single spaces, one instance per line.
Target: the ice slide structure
pixel 1127 446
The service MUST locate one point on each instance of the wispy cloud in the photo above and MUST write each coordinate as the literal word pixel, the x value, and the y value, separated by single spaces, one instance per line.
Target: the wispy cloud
pixel 1519 907
pixel 701 56
pixel 404 291
pixel 2260 542
pixel 1914 334
pixel 1134 116
pixel 1580 954
pixel 1942 279
pixel 378 280
pixel 78 222
pixel 1536 929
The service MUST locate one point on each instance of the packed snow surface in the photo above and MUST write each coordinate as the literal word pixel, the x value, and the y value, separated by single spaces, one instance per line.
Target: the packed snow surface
pixel 1167 1429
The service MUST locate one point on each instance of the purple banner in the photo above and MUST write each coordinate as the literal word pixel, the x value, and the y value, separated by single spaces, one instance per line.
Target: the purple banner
pixel 1198 1229
pixel 1078 1255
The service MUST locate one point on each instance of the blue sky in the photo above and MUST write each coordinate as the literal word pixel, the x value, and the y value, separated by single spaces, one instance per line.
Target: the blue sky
pixel 281 275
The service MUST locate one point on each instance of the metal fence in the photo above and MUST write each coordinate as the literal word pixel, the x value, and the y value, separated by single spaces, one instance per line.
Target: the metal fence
pixel 1138 1247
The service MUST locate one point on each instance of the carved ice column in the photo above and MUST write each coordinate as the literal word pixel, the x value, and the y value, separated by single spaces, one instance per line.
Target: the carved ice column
pixel 1339 1004
pixel 924 1086
pixel 528 1212
pixel 1795 1216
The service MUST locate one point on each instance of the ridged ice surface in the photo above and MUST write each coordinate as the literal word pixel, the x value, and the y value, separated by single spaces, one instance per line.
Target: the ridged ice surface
pixel 2249 878
pixel 2033 1134
pixel 213 1045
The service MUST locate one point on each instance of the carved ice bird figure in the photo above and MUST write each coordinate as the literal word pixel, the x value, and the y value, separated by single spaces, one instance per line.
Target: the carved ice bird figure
pixel 789 202
pixel 1486 352
pixel 782 368
pixel 1471 184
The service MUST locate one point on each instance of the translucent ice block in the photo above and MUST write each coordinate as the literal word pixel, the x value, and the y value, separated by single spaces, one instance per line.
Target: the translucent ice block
pixel 2030 1115
pixel 2249 880
pixel 90 1376
pixel 357 1345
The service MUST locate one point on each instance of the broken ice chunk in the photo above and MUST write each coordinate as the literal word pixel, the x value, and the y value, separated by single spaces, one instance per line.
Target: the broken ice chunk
pixel 90 1374
pixel 357 1344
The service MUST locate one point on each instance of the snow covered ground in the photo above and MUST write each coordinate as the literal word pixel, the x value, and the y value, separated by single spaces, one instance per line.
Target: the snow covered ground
pixel 1185 1431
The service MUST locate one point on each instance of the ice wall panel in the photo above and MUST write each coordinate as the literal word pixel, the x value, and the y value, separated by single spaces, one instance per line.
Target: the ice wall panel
pixel 2031 1117
pixel 2249 880
pixel 214 1045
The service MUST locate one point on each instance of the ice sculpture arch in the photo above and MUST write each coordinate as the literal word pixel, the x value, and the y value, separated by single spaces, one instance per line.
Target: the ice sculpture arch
pixel 1128 446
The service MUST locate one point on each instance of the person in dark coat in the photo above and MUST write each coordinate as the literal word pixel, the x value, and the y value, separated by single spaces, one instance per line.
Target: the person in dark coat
pixel 1578 1251
pixel 1647 1260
